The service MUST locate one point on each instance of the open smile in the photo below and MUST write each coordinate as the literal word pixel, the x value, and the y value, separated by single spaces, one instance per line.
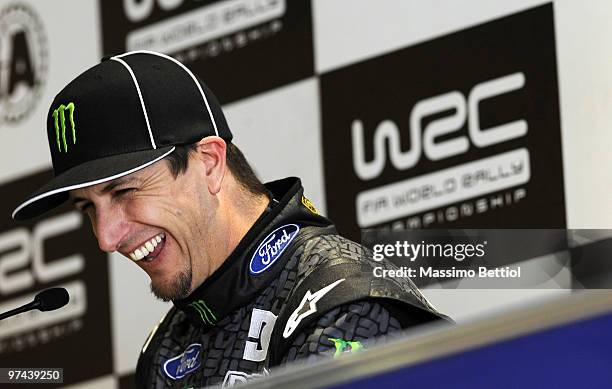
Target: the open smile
pixel 149 249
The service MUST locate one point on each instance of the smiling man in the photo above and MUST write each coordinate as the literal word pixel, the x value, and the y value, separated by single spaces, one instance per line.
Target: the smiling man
pixel 256 276
pixel 165 221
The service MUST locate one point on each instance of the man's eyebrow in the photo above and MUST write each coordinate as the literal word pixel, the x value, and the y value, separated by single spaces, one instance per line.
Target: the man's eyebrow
pixel 118 182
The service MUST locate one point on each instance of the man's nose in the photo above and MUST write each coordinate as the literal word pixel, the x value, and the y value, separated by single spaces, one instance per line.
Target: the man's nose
pixel 110 227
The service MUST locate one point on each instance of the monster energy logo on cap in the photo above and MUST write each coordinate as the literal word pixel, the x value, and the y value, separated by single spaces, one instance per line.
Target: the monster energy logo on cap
pixel 206 314
pixel 59 117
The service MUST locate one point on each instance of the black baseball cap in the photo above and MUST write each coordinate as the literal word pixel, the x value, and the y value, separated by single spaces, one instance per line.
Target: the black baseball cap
pixel 124 114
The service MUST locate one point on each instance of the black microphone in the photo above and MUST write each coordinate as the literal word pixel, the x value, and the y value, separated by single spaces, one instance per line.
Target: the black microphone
pixel 47 300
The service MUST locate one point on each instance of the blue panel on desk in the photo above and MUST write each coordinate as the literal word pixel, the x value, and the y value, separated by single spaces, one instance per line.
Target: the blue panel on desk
pixel 578 355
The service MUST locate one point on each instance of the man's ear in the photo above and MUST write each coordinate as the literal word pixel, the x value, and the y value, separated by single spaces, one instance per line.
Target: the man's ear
pixel 211 153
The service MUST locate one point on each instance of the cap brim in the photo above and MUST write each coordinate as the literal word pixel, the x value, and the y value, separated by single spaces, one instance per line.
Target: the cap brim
pixel 55 192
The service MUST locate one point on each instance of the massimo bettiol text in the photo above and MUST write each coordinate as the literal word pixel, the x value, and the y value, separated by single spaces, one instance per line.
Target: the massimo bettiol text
pixel 438 260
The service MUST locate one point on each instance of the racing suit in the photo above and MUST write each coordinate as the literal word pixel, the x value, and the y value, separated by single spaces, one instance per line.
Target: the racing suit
pixel 292 289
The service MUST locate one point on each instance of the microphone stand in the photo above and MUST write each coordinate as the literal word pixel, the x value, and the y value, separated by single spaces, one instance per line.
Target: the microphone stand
pixel 24 308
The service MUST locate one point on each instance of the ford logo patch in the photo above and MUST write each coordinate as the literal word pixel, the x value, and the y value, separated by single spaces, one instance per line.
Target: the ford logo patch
pixel 272 247
pixel 185 363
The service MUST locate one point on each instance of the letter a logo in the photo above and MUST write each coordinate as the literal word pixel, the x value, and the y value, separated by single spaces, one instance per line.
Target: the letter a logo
pixel 59 117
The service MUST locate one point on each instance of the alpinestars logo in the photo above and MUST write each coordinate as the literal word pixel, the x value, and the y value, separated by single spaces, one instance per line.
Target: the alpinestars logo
pixel 303 310
pixel 59 120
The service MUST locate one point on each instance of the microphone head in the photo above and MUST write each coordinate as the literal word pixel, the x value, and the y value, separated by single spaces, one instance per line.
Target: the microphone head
pixel 52 298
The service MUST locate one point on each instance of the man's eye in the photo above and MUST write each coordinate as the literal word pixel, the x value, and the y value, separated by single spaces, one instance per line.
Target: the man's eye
pixel 85 207
pixel 124 191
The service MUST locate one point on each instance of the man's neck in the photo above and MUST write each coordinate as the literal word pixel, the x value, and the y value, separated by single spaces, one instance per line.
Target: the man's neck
pixel 248 210
pixel 238 212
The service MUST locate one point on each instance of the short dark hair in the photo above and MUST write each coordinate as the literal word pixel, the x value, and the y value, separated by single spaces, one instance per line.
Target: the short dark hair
pixel 236 162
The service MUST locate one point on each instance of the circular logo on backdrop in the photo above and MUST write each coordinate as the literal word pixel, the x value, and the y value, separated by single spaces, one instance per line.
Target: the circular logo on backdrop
pixel 23 61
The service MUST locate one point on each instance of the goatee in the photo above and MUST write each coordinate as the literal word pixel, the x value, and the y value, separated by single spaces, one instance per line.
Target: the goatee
pixel 178 289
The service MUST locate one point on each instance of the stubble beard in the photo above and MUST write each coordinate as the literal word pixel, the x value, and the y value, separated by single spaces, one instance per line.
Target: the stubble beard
pixel 178 289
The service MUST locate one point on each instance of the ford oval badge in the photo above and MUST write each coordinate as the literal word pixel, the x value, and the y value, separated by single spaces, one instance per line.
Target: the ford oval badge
pixel 185 363
pixel 272 247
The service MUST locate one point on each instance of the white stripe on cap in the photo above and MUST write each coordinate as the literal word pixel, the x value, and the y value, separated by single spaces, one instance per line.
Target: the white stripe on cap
pixel 84 184
pixel 144 109
pixel 193 77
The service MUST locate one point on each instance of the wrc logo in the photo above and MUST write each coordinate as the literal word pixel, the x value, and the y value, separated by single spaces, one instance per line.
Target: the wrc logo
pixel 59 118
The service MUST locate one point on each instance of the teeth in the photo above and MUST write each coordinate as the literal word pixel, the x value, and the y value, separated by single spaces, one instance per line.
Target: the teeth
pixel 147 247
